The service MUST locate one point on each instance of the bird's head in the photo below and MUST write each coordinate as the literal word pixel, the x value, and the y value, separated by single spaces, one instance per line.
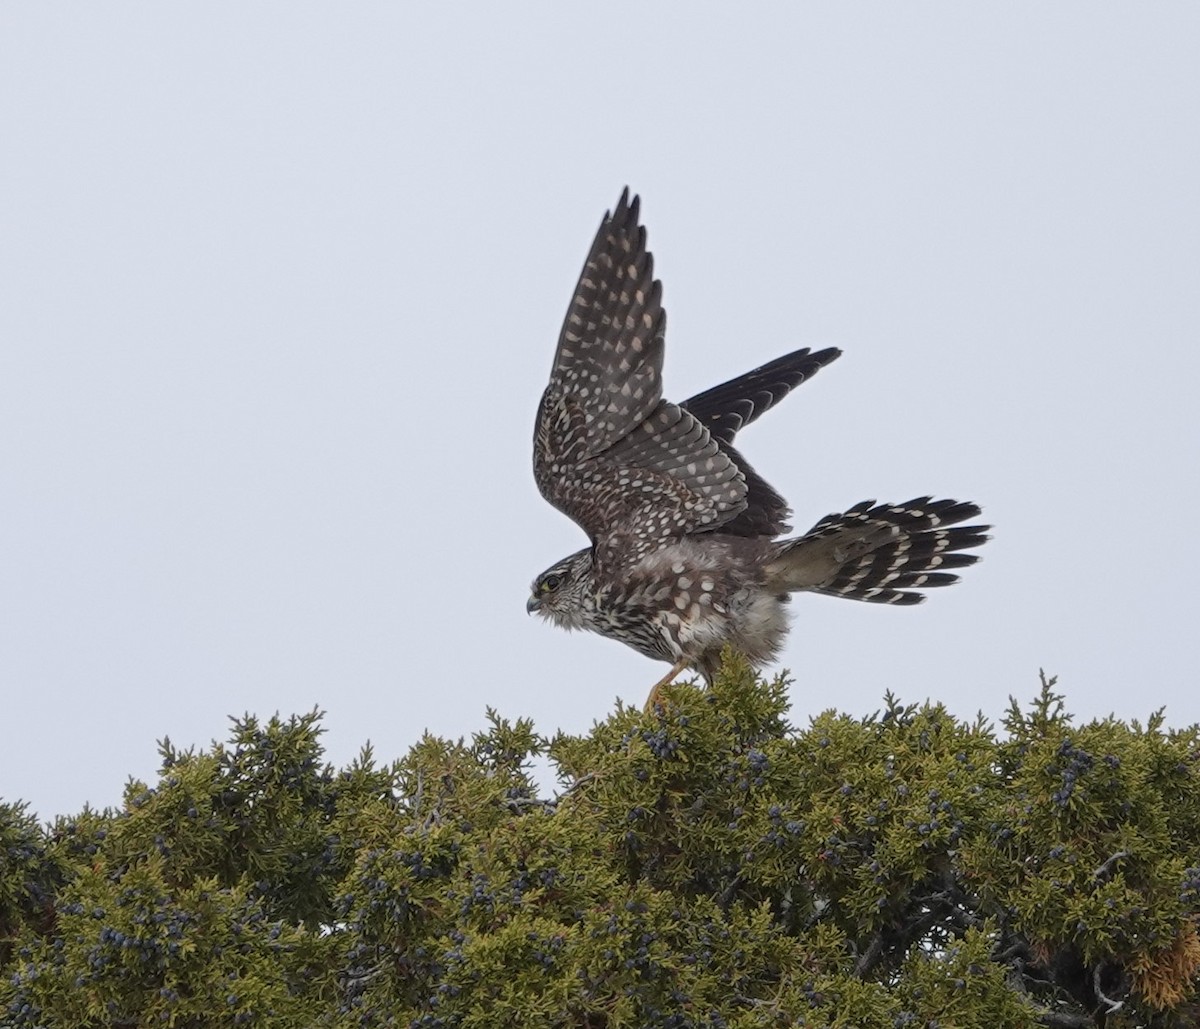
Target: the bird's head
pixel 558 593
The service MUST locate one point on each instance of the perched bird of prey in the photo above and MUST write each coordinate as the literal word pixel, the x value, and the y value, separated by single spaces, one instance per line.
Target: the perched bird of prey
pixel 684 556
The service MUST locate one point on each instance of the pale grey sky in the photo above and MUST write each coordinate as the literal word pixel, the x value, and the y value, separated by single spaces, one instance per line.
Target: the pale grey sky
pixel 281 285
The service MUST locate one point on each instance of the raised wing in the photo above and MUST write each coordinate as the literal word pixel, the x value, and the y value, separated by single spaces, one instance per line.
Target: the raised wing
pixel 729 407
pixel 631 468
pixel 610 351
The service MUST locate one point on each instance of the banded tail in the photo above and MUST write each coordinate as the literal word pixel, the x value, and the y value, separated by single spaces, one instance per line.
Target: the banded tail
pixel 880 552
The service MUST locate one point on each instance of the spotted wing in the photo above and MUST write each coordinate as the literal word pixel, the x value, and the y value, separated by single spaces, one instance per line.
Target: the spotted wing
pixel 726 409
pixel 631 468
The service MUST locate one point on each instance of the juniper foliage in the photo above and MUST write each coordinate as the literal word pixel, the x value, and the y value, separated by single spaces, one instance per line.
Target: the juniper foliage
pixel 707 865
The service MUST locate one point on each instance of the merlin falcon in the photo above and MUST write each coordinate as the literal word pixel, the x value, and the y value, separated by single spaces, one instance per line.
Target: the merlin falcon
pixel 685 557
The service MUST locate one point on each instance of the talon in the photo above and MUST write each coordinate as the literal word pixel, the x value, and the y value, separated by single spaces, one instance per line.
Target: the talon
pixel 652 701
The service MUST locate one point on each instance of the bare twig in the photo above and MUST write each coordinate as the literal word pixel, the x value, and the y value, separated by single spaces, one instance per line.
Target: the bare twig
pixel 518 804
pixel 869 957
pixel 1113 1005
pixel 1103 870
pixel 1057 1020
pixel 583 780
pixel 726 897
pixel 1014 950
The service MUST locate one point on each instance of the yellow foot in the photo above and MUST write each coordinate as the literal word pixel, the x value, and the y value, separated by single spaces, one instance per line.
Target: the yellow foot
pixel 652 701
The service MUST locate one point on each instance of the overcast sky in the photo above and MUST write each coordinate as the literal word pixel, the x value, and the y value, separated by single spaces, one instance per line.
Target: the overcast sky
pixel 281 284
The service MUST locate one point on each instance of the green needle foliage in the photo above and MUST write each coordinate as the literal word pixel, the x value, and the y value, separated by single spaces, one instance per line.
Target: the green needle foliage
pixel 705 865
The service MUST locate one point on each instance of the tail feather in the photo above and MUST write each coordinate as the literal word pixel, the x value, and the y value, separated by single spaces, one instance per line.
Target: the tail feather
pixel 880 552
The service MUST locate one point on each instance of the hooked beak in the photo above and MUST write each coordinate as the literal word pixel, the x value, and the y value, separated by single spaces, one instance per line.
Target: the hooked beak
pixel 534 603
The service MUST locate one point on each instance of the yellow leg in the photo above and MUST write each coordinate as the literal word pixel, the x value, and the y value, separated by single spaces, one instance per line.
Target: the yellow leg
pixel 652 700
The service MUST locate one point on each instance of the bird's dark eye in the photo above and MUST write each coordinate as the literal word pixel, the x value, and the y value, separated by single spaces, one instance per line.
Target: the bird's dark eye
pixel 551 582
